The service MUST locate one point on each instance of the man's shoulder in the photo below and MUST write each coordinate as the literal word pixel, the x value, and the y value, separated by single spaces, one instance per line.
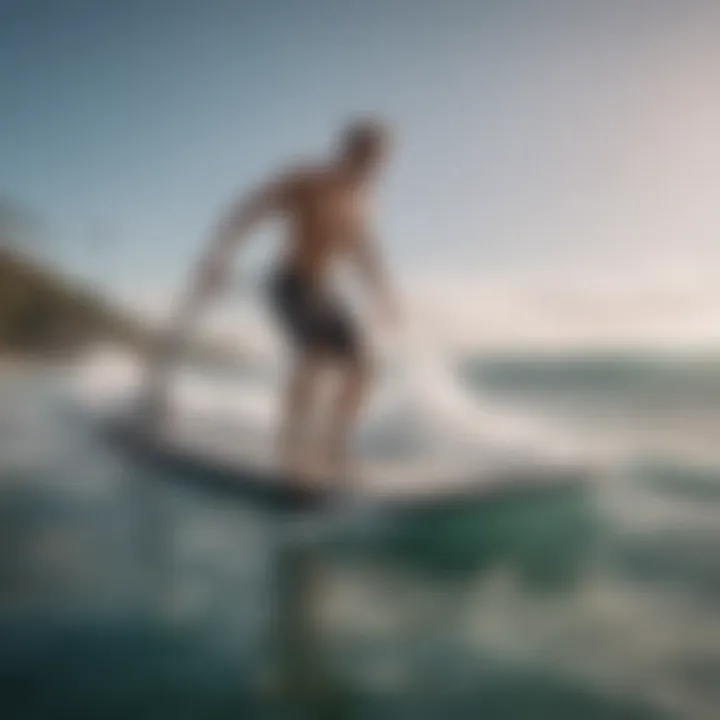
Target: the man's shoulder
pixel 298 182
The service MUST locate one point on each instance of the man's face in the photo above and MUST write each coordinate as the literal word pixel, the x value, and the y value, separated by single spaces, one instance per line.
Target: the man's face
pixel 366 164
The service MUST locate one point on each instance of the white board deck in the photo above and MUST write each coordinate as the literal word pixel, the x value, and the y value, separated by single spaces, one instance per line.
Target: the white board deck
pixel 241 460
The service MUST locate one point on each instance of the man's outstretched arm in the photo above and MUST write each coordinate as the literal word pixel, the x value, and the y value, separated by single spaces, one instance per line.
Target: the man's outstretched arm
pixel 233 228
pixel 207 275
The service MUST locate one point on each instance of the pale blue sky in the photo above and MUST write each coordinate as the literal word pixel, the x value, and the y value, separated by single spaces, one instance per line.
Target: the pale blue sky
pixel 527 130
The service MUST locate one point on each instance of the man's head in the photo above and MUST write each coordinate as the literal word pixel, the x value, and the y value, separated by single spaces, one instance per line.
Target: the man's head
pixel 364 148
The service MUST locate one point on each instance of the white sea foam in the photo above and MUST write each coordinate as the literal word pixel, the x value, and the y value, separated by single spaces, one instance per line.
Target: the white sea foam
pixel 420 410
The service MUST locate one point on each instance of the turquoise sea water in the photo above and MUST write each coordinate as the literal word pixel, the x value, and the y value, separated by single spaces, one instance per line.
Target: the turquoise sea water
pixel 125 596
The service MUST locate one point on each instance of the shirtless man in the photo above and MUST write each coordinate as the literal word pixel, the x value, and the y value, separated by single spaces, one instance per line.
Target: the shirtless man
pixel 326 209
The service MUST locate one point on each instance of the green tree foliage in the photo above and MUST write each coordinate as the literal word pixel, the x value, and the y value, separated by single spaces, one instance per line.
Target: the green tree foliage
pixel 40 312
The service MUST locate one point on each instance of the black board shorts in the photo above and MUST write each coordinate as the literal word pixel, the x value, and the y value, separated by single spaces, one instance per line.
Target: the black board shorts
pixel 314 320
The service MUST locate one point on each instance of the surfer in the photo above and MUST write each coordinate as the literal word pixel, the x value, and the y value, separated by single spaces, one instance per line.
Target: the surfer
pixel 326 209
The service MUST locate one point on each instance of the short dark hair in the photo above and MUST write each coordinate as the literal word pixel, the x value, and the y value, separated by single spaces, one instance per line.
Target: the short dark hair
pixel 364 137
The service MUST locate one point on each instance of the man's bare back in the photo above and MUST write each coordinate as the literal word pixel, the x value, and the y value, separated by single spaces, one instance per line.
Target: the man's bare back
pixel 327 217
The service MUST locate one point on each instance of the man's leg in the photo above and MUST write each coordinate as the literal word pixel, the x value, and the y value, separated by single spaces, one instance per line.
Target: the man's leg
pixel 299 402
pixel 354 385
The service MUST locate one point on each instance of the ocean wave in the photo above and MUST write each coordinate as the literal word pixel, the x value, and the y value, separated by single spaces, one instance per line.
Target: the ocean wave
pixel 420 410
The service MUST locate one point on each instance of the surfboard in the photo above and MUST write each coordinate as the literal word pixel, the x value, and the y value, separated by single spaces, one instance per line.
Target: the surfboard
pixel 238 462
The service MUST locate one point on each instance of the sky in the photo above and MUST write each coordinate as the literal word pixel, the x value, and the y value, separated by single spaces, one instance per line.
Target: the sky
pixel 554 176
